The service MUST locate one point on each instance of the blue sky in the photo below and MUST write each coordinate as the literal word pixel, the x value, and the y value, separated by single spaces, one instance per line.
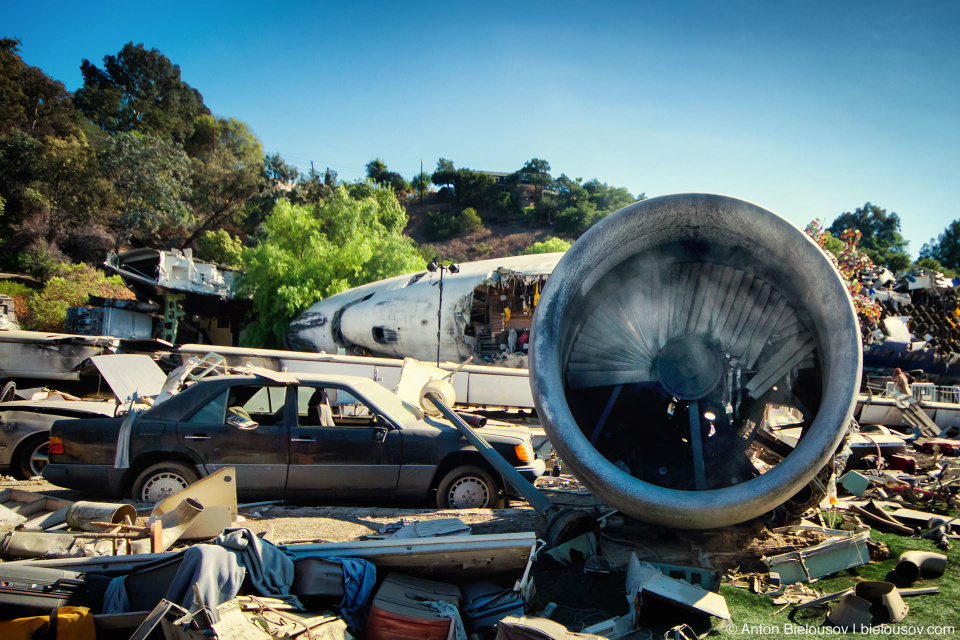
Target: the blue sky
pixel 809 109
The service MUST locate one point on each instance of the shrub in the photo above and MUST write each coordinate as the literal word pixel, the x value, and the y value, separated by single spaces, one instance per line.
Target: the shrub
pixel 69 286
pixel 442 225
pixel 219 247
pixel 469 221
pixel 483 248
pixel 549 245
pixel 20 293
pixel 575 220
pixel 87 243
pixel 429 253
pixel 40 260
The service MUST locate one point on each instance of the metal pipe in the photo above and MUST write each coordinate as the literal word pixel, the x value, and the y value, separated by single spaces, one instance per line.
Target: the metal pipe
pixel 509 473
pixel 82 515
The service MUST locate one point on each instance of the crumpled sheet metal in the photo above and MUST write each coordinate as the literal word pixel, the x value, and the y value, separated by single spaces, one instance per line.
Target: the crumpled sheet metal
pixel 642 576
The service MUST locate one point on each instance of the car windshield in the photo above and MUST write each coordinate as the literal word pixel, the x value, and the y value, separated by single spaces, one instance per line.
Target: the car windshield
pixel 388 402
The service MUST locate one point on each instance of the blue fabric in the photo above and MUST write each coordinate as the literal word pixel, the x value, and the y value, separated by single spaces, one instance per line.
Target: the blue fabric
pixel 115 597
pixel 359 578
pixel 216 571
pixel 270 570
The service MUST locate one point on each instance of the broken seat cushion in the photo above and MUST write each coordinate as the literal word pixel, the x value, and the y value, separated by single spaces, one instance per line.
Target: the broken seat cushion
pixel 401 609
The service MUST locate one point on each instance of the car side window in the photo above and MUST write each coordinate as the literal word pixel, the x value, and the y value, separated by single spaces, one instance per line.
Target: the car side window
pixel 213 412
pixel 331 407
pixel 259 403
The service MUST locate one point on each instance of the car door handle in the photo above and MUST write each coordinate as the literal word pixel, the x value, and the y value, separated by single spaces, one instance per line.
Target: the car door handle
pixel 198 436
pixel 302 440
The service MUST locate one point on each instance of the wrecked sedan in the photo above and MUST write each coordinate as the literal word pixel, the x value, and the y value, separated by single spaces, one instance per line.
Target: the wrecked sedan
pixel 320 436
pixel 26 415
pixel 25 425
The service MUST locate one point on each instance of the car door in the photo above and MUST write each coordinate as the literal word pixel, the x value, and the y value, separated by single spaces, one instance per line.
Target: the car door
pixel 340 445
pixel 242 427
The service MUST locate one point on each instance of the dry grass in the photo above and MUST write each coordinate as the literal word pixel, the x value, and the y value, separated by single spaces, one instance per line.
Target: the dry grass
pixel 492 241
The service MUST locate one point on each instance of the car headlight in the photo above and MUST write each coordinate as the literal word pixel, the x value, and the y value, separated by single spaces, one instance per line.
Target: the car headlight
pixel 524 451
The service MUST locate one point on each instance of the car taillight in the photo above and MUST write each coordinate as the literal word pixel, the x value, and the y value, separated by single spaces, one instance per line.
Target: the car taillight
pixel 56 445
pixel 524 451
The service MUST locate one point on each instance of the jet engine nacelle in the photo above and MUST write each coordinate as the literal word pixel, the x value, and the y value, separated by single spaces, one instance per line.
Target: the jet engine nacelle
pixel 681 347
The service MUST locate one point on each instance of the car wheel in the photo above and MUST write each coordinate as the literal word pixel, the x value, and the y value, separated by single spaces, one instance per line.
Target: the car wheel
pixel 468 488
pixel 33 457
pixel 162 480
pixel 8 392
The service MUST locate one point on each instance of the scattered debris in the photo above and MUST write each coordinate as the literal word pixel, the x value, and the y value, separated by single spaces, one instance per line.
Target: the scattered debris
pixel 914 565
pixel 643 578
pixel 806 565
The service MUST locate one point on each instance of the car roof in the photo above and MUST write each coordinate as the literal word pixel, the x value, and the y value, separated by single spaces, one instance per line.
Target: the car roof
pixel 190 398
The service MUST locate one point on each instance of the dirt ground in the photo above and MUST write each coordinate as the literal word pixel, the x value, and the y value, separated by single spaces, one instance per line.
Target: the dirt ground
pixel 347 521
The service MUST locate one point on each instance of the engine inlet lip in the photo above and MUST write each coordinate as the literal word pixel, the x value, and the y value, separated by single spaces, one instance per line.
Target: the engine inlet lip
pixel 784 253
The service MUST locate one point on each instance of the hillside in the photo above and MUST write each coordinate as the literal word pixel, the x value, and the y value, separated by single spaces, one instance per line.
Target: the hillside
pixel 492 241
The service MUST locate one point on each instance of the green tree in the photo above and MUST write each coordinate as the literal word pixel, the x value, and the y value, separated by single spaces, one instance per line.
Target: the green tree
pixel 378 174
pixel 220 247
pixel 609 199
pixel 444 174
pixel 548 245
pixel 420 182
pixel 361 190
pixel 881 239
pixel 71 190
pixel 139 90
pixel 376 168
pixel 536 172
pixel 20 160
pixel 150 178
pixel 546 209
pixel 30 100
pixel 934 265
pixel 945 249
pixel 475 190
pixel 277 180
pixel 576 219
pixel 330 178
pixel 570 191
pixel 311 252
pixel 396 182
pixel 227 168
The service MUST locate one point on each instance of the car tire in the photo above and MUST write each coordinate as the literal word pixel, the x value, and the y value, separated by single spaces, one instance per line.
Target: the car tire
pixel 32 456
pixel 162 480
pixel 468 487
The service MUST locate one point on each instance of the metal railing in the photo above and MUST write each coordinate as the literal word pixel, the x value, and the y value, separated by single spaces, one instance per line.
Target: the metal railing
pixel 927 392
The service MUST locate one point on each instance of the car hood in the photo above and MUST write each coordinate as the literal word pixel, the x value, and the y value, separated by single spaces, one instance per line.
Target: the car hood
pixel 504 432
pixel 129 374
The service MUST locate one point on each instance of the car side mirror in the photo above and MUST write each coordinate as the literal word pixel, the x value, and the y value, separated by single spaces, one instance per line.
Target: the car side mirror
pixel 241 423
